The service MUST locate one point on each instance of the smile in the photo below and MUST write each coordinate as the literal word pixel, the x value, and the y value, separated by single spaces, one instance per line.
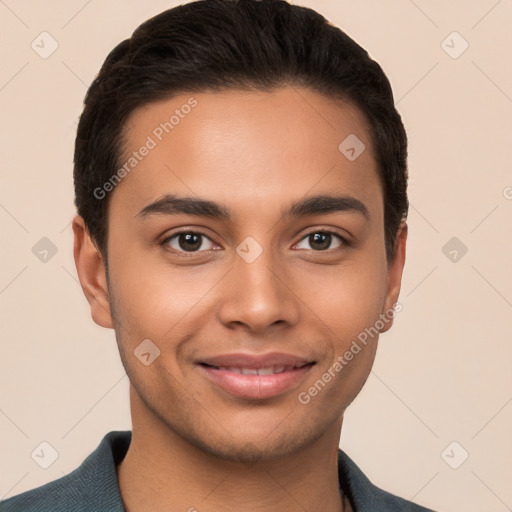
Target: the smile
pixel 254 378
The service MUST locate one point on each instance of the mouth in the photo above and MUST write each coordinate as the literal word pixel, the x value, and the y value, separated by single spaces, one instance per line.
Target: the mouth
pixel 256 377
pixel 269 370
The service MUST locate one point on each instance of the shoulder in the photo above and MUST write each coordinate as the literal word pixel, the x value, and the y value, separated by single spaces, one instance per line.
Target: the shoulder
pixel 91 486
pixel 367 497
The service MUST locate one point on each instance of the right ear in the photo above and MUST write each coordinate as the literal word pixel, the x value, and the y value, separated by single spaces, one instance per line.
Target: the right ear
pixel 91 273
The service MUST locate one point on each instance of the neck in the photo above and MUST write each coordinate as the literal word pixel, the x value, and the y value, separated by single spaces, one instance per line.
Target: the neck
pixel 162 471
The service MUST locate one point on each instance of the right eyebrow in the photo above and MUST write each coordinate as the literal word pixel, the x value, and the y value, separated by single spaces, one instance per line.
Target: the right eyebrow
pixel 173 205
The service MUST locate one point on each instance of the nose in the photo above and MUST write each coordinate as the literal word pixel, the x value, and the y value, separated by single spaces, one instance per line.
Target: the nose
pixel 259 295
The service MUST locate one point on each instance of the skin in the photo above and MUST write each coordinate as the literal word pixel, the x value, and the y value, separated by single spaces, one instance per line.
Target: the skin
pixel 193 444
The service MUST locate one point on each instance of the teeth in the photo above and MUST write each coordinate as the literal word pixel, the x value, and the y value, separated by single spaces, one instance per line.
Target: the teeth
pixel 266 371
pixel 249 371
pixel 271 370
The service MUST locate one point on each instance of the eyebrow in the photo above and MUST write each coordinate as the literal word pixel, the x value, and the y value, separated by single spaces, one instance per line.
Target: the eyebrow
pixel 171 204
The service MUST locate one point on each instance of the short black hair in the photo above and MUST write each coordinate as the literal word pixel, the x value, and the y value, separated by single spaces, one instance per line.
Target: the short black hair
pixel 214 45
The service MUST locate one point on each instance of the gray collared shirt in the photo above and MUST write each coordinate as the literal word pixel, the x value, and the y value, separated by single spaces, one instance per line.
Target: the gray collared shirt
pixel 93 486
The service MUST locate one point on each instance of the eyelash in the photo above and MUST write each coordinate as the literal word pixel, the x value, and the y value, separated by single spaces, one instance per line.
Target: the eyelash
pixel 164 243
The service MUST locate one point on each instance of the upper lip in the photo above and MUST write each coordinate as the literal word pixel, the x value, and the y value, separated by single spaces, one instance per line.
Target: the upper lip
pixel 255 361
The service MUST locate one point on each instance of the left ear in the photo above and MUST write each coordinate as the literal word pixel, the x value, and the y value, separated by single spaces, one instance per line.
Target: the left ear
pixel 395 269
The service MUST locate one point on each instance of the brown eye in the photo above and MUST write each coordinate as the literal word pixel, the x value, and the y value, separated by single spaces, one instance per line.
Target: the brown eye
pixel 188 241
pixel 322 240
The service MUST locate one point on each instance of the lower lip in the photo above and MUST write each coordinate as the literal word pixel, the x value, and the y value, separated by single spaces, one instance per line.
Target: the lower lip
pixel 256 386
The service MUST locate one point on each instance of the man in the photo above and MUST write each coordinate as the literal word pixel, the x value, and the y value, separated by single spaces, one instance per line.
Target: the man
pixel 240 178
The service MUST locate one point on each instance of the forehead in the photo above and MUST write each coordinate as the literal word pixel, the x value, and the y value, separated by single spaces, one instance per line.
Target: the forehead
pixel 240 147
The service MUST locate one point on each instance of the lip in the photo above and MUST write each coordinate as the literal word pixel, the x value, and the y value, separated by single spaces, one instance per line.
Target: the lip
pixel 259 387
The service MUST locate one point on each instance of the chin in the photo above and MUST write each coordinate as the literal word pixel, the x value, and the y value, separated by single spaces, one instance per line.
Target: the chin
pixel 258 447
pixel 247 452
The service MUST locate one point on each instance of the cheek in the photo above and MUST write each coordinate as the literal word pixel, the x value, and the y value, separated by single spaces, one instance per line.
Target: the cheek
pixel 354 312
pixel 153 300
pixel 347 298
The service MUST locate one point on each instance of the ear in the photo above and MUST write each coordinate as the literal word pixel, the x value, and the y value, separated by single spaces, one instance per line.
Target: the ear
pixel 395 269
pixel 91 273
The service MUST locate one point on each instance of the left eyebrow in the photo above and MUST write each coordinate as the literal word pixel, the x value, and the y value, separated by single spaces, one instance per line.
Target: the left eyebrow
pixel 322 204
pixel 171 204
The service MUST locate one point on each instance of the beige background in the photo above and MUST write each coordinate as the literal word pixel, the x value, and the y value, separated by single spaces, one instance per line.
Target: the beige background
pixel 442 374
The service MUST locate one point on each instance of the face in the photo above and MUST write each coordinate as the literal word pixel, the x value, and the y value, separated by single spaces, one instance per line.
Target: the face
pixel 250 291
